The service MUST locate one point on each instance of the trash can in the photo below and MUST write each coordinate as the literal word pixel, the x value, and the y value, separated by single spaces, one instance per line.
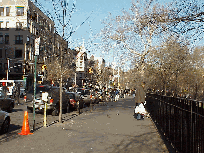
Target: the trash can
pixel 138 116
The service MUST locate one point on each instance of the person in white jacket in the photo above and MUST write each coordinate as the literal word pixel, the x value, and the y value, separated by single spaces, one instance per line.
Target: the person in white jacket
pixel 140 109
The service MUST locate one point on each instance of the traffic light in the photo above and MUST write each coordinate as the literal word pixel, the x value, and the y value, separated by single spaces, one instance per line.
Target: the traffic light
pixel 27 68
pixel 90 70
pixel 43 68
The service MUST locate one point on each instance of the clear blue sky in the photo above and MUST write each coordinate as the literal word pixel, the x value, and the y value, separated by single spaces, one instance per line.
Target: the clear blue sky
pixel 98 10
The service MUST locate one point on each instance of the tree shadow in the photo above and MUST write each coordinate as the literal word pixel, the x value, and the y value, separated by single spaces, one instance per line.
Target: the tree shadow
pixel 16 110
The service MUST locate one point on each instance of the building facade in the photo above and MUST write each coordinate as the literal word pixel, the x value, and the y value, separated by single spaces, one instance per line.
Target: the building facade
pixel 21 22
pixel 81 66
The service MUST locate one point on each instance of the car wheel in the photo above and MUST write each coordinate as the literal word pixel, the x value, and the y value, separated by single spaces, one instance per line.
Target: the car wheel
pixel 10 109
pixel 55 111
pixel 5 125
pixel 68 108
pixel 29 110
pixel 81 105
pixel 21 96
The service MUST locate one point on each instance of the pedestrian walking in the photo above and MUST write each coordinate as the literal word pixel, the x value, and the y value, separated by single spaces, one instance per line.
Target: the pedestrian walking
pixel 116 95
pixel 17 93
pixel 140 94
pixel 113 94
pixel 133 93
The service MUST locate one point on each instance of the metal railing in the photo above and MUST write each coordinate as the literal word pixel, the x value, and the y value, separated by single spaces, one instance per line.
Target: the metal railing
pixel 180 120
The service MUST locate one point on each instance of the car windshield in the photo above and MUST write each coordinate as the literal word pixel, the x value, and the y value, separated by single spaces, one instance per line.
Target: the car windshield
pixel 80 90
pixel 71 96
pixel 85 92
pixel 2 95
pixel 40 89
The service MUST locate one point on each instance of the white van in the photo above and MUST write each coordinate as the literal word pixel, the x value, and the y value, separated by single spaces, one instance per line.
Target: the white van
pixel 11 84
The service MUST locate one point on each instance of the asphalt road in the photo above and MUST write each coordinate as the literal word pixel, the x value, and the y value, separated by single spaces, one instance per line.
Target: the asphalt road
pixel 17 117
pixel 108 128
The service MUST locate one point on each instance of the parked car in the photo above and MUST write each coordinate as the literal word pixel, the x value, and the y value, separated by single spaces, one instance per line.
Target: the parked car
pixel 86 96
pixel 100 96
pixel 94 98
pixel 53 101
pixel 74 98
pixel 39 90
pixel 80 90
pixel 10 86
pixel 22 92
pixel 6 103
pixel 4 121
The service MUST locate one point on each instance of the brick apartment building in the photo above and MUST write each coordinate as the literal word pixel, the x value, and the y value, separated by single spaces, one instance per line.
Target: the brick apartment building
pixel 20 23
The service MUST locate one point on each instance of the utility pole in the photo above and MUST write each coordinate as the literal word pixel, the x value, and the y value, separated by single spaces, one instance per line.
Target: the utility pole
pixel 37 42
pixel 7 76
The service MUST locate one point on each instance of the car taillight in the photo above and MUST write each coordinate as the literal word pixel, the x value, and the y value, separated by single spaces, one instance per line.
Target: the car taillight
pixel 72 101
pixel 51 101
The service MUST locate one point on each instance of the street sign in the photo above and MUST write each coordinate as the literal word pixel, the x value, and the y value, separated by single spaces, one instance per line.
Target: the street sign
pixel 116 76
pixel 37 42
pixel 45 96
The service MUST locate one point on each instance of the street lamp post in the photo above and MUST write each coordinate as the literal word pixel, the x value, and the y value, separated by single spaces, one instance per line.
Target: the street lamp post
pixel 7 74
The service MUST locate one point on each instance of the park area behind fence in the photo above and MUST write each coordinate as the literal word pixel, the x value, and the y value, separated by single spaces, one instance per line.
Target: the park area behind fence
pixel 180 120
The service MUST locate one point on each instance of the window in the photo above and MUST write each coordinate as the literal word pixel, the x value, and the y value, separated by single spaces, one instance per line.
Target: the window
pixel 28 26
pixel 19 25
pixel 7 11
pixel 28 40
pixel 1 68
pixel 18 67
pixel 27 55
pixel 1 39
pixel 19 11
pixel 1 52
pixel 81 63
pixel 6 53
pixel 19 39
pixel 7 24
pixel 81 57
pixel 1 24
pixel 6 39
pixel 1 11
pixel 5 66
pixel 18 53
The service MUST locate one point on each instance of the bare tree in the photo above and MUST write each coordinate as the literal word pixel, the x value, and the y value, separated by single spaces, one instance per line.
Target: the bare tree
pixel 53 69
pixel 144 30
pixel 149 21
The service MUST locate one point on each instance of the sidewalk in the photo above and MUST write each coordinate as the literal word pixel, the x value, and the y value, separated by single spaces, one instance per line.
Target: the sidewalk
pixel 97 132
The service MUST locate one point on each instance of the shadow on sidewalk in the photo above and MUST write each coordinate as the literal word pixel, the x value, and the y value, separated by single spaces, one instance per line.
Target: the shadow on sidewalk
pixel 166 141
pixel 147 142
pixel 17 110
pixel 11 134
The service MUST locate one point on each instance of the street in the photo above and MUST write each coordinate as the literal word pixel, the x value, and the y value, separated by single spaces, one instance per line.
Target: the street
pixel 108 128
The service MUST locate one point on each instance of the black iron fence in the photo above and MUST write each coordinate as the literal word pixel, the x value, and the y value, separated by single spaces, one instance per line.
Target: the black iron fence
pixel 180 120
